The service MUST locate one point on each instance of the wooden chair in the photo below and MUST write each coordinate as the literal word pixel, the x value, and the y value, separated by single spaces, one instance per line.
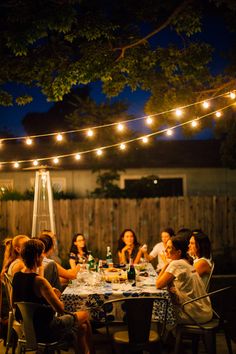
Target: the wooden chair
pixel 206 330
pixel 14 327
pixel 29 340
pixel 138 334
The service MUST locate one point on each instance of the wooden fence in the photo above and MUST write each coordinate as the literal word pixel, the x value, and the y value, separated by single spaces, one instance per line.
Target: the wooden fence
pixel 102 220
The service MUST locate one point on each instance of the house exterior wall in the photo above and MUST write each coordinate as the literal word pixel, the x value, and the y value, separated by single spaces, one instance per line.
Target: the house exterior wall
pixel 196 181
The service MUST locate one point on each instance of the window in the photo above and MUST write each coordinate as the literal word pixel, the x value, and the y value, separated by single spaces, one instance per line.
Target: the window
pixel 153 187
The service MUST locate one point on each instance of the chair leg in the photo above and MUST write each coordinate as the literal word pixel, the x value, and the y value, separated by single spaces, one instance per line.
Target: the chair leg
pixel 228 340
pixel 178 341
pixel 195 342
pixel 210 342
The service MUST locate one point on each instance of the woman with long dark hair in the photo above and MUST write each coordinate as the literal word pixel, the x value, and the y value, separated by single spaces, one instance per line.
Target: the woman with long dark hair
pixel 78 250
pixel 128 247
pixel 200 250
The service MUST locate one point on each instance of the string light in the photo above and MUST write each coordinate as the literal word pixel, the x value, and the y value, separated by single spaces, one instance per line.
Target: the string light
pixel 35 162
pixel 178 112
pixel 120 127
pixel 122 146
pixel 169 132
pixel 149 120
pixel 232 95
pixel 194 123
pixel 99 152
pixel 89 133
pixel 59 137
pixel 218 114
pixel 144 139
pixel 28 141
pixel 56 160
pixel 205 104
pixel 77 157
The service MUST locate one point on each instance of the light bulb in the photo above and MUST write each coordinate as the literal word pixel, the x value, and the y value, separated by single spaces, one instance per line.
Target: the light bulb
pixel 59 137
pixel 232 95
pixel 144 139
pixel 56 160
pixel 16 164
pixel 178 112
pixel 169 132
pixel 194 123
pixel 149 120
pixel 77 157
pixel 28 141
pixel 35 162
pixel 205 104
pixel 122 146
pixel 120 127
pixel 89 133
pixel 218 114
pixel 99 152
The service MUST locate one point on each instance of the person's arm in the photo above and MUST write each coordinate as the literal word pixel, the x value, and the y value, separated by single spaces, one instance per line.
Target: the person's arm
pixel 67 273
pixel 202 267
pixel 121 255
pixel 139 255
pixel 72 263
pixel 43 287
pixel 164 278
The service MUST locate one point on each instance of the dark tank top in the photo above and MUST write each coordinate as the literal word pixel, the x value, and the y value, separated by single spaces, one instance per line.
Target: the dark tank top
pixel 23 290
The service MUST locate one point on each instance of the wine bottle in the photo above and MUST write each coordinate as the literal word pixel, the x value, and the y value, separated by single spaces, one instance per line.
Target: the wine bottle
pixel 109 256
pixel 131 275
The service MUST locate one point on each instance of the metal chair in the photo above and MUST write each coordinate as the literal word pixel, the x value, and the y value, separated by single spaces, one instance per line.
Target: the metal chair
pixel 206 330
pixel 29 340
pixel 13 327
pixel 207 286
pixel 138 335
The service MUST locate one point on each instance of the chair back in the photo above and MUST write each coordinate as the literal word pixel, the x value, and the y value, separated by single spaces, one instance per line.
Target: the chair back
pixel 207 286
pixel 8 289
pixel 27 310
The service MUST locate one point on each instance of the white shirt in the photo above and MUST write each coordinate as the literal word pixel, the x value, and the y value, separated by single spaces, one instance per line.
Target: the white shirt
pixel 156 251
pixel 188 285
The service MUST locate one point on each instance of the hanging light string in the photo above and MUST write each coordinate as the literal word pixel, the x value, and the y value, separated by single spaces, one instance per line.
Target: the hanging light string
pixel 28 139
pixel 122 145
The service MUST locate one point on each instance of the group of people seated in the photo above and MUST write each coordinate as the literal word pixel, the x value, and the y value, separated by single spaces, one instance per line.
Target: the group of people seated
pixel 184 264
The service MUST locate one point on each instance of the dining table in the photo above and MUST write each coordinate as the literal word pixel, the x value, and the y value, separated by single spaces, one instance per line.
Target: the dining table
pixel 91 290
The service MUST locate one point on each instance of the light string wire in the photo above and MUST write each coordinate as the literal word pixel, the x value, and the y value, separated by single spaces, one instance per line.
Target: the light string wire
pixel 120 143
pixel 116 123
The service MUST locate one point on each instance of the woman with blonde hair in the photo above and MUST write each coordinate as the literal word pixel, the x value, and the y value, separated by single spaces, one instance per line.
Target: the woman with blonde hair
pixel 12 261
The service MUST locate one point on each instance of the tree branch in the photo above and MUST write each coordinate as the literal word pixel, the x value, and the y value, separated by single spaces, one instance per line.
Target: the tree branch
pixel 153 33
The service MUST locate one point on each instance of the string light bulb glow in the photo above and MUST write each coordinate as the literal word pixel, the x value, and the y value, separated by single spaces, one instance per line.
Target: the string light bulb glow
pixel 144 139
pixel 59 137
pixel 89 133
pixel 178 112
pixel 232 95
pixel 77 157
pixel 122 146
pixel 149 120
pixel 28 141
pixel 35 162
pixel 120 127
pixel 218 114
pixel 194 123
pixel 56 160
pixel 206 104
pixel 169 132
pixel 99 152
pixel 16 165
